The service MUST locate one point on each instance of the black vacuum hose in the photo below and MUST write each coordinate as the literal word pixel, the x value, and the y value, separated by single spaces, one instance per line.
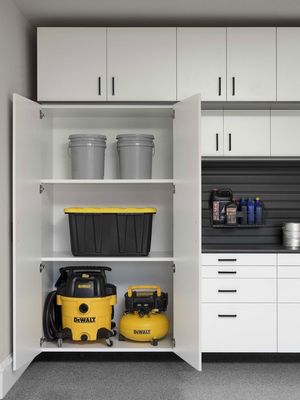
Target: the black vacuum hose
pixel 51 317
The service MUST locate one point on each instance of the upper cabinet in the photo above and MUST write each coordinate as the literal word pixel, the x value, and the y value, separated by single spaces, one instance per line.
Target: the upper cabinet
pixel 201 63
pixel 285 139
pixel 288 64
pixel 71 64
pixel 251 64
pixel 141 64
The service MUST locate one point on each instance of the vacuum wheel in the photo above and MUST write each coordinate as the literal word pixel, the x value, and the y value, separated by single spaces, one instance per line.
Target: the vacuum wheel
pixel 59 342
pixel 121 338
pixel 109 342
pixel 154 342
pixel 114 332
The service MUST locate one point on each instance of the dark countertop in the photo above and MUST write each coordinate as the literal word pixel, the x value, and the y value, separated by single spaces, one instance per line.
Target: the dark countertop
pixel 252 248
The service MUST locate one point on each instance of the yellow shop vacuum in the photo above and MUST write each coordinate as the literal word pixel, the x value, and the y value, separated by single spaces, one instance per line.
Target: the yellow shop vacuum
pixel 144 319
pixel 82 307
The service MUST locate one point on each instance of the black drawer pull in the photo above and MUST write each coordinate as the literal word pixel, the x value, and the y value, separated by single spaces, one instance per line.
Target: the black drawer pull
pixel 99 86
pixel 227 315
pixel 227 291
pixel 226 272
pixel 113 86
pixel 233 86
pixel 229 141
pixel 227 259
pixel 220 86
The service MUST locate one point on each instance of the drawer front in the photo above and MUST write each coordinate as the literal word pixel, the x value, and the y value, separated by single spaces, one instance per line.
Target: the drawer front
pixel 239 328
pixel 239 259
pixel 289 272
pixel 288 328
pixel 288 290
pixel 289 259
pixel 238 290
pixel 237 271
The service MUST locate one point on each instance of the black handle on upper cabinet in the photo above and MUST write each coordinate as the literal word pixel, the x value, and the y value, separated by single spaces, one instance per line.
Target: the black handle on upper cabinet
pixel 217 142
pixel 99 86
pixel 220 86
pixel 233 86
pixel 113 85
pixel 229 141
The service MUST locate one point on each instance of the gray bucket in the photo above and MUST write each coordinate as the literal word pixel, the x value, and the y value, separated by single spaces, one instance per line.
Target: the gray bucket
pixel 136 152
pixel 87 156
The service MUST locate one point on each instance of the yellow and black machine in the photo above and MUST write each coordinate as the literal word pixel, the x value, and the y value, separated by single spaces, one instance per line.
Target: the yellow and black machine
pixel 82 307
pixel 144 319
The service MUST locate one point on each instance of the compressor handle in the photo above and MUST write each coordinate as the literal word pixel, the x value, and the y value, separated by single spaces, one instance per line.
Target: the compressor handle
pixel 143 287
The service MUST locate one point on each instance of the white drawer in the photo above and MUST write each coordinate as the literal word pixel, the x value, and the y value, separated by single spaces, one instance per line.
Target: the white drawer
pixel 289 328
pixel 238 328
pixel 238 290
pixel 237 271
pixel 289 272
pixel 289 291
pixel 238 259
pixel 289 259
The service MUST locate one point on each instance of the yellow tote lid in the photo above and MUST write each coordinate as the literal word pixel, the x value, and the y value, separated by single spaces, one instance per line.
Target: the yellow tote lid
pixel 110 210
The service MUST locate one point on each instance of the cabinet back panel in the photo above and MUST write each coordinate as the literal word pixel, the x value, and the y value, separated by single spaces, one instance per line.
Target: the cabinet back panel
pixel 277 183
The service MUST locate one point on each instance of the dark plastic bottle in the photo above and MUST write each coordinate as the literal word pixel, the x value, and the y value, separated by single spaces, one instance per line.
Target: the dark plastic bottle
pixel 258 211
pixel 251 212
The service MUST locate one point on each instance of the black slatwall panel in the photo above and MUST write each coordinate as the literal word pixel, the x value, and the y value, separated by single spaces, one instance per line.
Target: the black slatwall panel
pixel 277 183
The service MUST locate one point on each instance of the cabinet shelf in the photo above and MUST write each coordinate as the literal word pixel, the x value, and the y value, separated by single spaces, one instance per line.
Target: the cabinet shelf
pixel 68 257
pixel 105 181
pixel 164 345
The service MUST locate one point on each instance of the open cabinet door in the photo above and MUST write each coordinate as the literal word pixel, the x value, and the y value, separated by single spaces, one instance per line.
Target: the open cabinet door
pixel 187 230
pixel 27 166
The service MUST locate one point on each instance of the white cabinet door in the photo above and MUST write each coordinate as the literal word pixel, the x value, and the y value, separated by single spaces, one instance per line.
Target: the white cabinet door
pixel 212 131
pixel 247 133
pixel 27 165
pixel 251 64
pixel 288 64
pixel 71 64
pixel 285 133
pixel 187 230
pixel 288 328
pixel 141 64
pixel 201 63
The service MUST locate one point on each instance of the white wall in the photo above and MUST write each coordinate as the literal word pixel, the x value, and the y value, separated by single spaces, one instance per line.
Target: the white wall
pixel 17 74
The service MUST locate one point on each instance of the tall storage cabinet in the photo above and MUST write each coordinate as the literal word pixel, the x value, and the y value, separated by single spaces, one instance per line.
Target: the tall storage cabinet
pixel 42 188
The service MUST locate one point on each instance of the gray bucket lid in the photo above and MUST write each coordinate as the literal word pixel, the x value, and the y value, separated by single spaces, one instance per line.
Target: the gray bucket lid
pixel 87 137
pixel 136 137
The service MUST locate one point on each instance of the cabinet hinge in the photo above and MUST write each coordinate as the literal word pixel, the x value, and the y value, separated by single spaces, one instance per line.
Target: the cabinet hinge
pixel 174 268
pixel 42 340
pixel 173 114
pixel 42 115
pixel 173 342
pixel 174 188
pixel 42 267
pixel 41 189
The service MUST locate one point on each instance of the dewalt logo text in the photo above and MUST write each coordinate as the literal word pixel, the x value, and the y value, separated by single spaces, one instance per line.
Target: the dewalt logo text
pixel 84 320
pixel 141 331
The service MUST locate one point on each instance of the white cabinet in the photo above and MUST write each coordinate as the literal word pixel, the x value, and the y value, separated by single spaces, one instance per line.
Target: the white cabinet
pixel 40 228
pixel 288 328
pixel 285 133
pixel 201 63
pixel 247 133
pixel 251 64
pixel 71 64
pixel 288 64
pixel 141 64
pixel 212 132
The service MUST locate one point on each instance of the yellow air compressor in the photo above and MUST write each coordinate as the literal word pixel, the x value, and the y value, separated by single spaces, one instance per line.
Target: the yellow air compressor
pixel 82 307
pixel 144 319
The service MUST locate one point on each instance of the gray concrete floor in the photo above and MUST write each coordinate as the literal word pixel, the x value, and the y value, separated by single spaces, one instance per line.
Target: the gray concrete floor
pixel 159 377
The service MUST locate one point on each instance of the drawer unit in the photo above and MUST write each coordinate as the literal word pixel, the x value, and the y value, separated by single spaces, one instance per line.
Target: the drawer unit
pixel 238 290
pixel 289 291
pixel 223 271
pixel 289 272
pixel 288 328
pixel 238 259
pixel 239 328
pixel 289 259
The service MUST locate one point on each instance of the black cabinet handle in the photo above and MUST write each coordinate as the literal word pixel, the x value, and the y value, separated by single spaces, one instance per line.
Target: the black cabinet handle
pixel 227 259
pixel 113 85
pixel 227 315
pixel 227 272
pixel 217 142
pixel 229 141
pixel 233 86
pixel 99 85
pixel 220 86
pixel 227 291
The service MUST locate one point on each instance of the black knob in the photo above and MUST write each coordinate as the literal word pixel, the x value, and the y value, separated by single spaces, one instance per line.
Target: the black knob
pixel 83 308
pixel 84 338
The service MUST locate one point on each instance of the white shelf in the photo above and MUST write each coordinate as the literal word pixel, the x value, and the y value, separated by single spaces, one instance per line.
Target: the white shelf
pixel 105 181
pixel 68 257
pixel 164 345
